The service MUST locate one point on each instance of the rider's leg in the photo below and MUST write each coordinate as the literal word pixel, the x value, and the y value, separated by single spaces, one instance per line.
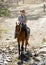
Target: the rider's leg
pixel 25 27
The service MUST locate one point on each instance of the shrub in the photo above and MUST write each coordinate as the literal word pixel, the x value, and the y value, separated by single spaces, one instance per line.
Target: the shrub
pixel 4 10
pixel 2 31
pixel 43 40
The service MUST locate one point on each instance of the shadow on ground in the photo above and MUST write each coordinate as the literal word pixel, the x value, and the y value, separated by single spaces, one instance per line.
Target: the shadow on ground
pixel 26 58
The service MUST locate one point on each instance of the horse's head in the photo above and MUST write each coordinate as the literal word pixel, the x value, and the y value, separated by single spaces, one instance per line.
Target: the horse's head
pixel 18 28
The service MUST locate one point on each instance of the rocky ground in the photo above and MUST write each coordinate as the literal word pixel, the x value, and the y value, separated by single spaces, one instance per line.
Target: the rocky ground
pixel 36 56
pixel 36 52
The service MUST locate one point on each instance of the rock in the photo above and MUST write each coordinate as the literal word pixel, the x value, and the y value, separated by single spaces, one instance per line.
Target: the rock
pixel 1 62
pixel 41 63
pixel 39 52
pixel 6 51
pixel 45 61
pixel 5 62
pixel 38 58
pixel 43 50
pixel 43 46
pixel 0 56
pixel 0 50
pixel 11 48
pixel 33 63
pixel 7 57
pixel 3 49
pixel 43 55
pixel 35 54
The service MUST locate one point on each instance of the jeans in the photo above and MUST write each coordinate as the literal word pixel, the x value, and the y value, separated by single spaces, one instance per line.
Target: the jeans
pixel 25 29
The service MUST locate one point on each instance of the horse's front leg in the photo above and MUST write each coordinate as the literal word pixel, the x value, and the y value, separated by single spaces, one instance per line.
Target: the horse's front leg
pixel 22 49
pixel 19 48
pixel 25 46
pixel 26 43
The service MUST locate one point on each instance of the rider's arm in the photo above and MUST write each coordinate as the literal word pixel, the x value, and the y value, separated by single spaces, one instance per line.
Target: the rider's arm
pixel 26 18
pixel 19 19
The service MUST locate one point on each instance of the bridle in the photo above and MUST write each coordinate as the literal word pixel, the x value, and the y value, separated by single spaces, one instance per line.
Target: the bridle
pixel 18 32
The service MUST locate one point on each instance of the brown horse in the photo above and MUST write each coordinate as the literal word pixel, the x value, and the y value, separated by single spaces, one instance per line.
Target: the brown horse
pixel 21 38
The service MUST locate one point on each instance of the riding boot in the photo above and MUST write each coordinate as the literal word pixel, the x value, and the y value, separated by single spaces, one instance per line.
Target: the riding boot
pixel 26 34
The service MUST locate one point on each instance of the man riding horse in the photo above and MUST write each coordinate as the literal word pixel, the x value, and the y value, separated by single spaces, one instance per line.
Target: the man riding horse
pixel 23 20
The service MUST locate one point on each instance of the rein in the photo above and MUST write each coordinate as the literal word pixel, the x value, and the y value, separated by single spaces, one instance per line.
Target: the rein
pixel 19 31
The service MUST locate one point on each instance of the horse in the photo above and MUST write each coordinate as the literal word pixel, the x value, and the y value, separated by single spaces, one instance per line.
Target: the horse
pixel 21 39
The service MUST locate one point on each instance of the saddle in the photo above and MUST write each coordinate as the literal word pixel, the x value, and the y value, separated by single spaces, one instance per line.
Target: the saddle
pixel 27 31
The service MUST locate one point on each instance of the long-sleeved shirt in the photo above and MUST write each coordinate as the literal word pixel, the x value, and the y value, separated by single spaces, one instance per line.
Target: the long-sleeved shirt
pixel 22 19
